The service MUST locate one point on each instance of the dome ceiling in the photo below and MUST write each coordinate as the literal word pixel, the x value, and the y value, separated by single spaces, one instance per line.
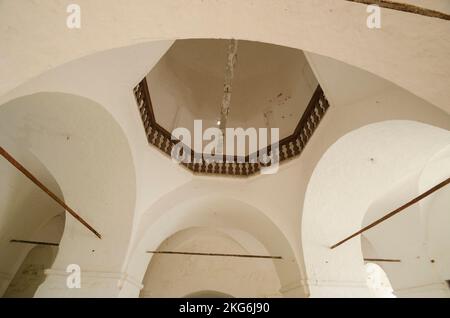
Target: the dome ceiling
pixel 272 85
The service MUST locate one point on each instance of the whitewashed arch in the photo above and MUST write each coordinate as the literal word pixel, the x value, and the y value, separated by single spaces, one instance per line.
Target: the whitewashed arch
pixel 76 139
pixel 26 212
pixel 418 236
pixel 330 28
pixel 180 275
pixel 227 214
pixel 358 169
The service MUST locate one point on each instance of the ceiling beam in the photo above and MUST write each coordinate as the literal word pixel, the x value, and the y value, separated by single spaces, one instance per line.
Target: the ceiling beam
pixel 405 7
pixel 398 210
pixel 382 260
pixel 215 254
pixel 30 176
pixel 34 242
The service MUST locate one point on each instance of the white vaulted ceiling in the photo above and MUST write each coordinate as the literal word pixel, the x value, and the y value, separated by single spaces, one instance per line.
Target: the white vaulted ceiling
pixel 410 50
pixel 272 85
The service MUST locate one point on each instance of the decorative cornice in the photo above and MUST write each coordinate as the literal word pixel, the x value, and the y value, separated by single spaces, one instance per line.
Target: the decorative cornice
pixel 289 147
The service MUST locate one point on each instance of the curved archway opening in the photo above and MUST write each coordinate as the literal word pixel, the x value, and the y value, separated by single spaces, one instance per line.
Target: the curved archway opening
pixel 175 275
pixel 76 139
pixel 363 176
pixel 27 215
pixel 245 224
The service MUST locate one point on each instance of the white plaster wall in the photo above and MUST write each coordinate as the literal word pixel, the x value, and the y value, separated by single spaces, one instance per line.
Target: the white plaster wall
pixel 112 76
pixel 108 79
pixel 435 218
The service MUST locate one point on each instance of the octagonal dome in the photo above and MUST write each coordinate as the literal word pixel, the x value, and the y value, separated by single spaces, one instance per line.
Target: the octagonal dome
pixel 272 85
